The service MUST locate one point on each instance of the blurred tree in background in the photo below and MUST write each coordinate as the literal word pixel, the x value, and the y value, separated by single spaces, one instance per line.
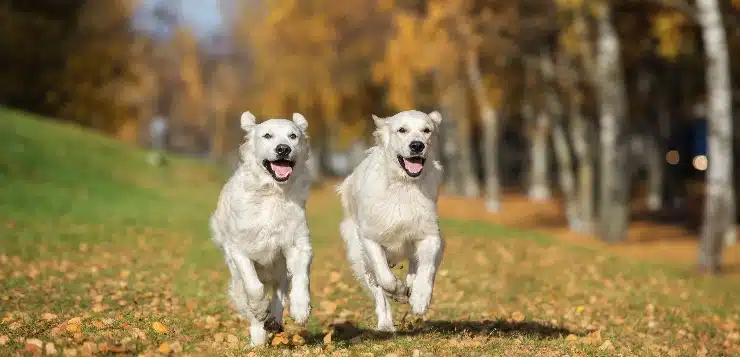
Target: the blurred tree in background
pixel 599 103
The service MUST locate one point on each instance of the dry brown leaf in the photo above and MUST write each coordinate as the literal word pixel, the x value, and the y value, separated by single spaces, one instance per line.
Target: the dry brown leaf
pixel 280 339
pixel 571 337
pixel 517 316
pixel 88 349
pixel 73 328
pixel 176 347
pixel 219 337
pixel 50 349
pixel 327 337
pixel 607 345
pixel 164 348
pixel 47 316
pixel 159 327
pixel 298 340
pixel 34 345
pixel 4 339
pixel 334 277
pixel 98 324
pixel 69 352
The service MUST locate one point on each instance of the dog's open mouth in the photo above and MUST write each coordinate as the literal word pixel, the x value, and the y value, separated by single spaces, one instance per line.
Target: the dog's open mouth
pixel 412 165
pixel 279 169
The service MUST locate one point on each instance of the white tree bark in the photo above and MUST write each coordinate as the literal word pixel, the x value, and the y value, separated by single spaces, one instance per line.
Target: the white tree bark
pixel 582 148
pixel 563 153
pixel 489 119
pixel 613 202
pixel 539 155
pixel 719 227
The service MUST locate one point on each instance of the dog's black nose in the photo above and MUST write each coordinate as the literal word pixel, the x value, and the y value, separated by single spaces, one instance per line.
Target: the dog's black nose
pixel 416 146
pixel 282 150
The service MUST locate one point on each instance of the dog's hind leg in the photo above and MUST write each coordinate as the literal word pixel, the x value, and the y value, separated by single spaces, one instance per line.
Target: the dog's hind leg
pixel 411 275
pixel 357 259
pixel 274 321
pixel 428 254
pixel 394 287
pixel 382 309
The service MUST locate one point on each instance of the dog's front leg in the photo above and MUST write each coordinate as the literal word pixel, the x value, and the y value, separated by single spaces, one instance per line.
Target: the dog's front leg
pixel 396 288
pixel 428 256
pixel 256 301
pixel 298 259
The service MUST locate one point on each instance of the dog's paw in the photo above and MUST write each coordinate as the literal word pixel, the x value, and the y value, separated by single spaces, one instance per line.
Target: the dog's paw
pixel 419 301
pixel 300 309
pixel 272 325
pixel 400 292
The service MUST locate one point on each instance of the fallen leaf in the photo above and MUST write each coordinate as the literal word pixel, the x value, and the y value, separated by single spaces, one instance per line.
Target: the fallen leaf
pixel 607 345
pixel 164 348
pixel 571 337
pixel 517 316
pixel 69 352
pixel 88 349
pixel 47 316
pixel 327 337
pixel 4 339
pixel 34 345
pixel 298 340
pixel 334 277
pixel 219 337
pixel 159 327
pixel 50 349
pixel 73 328
pixel 176 347
pixel 280 339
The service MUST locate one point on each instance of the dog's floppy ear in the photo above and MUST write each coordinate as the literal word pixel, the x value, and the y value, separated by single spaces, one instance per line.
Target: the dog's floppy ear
pixel 301 122
pixel 379 122
pixel 436 117
pixel 247 121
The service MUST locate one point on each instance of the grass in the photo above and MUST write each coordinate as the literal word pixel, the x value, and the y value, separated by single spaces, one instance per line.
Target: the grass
pixel 103 254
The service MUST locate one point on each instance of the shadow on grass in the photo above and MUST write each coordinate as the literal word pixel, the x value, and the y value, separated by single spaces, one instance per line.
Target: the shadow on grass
pixel 348 332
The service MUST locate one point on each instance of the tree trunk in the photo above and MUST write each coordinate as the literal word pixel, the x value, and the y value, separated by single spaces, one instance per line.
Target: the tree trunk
pixel 719 226
pixel 450 148
pixel 489 150
pixel 582 147
pixel 468 177
pixel 655 165
pixel 559 139
pixel 539 155
pixel 613 201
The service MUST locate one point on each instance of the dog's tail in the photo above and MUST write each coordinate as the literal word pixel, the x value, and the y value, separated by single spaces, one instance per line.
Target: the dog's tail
pixel 355 250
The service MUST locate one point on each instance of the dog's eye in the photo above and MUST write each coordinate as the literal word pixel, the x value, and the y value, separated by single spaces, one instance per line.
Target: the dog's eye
pixel 427 130
pixel 292 136
pixel 267 136
pixel 402 130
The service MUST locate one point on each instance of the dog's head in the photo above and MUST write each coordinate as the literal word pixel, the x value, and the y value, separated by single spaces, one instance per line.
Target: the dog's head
pixel 277 146
pixel 408 138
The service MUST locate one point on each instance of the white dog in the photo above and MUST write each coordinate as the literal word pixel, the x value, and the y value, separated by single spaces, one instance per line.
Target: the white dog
pixel 390 212
pixel 260 224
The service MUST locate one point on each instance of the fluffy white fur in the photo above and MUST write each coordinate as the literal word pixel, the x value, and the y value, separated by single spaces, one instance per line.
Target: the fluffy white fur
pixel 260 226
pixel 390 216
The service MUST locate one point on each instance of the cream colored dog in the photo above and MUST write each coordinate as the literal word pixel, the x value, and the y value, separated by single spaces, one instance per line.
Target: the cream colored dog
pixel 390 213
pixel 260 224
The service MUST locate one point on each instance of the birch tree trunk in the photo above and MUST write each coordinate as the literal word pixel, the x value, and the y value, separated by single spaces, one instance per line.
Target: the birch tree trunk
pixel 613 202
pixel 450 146
pixel 539 187
pixel 719 210
pixel 469 179
pixel 582 148
pixel 489 150
pixel 559 140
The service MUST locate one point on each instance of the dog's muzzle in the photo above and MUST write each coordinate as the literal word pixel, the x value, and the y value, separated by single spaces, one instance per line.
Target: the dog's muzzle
pixel 282 167
pixel 413 165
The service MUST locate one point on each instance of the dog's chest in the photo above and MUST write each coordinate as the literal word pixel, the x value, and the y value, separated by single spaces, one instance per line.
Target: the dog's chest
pixel 399 216
pixel 267 225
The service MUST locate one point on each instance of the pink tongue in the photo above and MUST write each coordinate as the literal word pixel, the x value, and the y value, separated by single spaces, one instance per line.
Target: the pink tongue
pixel 281 170
pixel 412 167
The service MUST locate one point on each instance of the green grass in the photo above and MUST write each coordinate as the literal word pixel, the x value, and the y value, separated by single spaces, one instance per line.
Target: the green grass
pixel 97 246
